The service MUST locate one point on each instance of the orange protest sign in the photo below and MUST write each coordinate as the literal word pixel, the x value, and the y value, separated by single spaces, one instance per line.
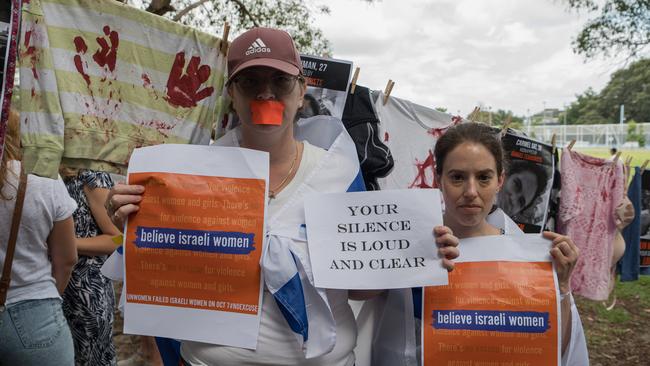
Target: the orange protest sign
pixel 492 313
pixel 196 242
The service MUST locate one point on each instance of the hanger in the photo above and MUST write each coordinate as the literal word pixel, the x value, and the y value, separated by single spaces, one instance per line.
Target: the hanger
pixel 618 155
pixel 389 88
pixel 571 145
pixel 353 83
pixel 224 40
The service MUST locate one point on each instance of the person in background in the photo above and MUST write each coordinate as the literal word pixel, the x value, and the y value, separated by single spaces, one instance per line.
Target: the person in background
pixel 89 300
pixel 33 330
pixel 470 169
pixel 612 153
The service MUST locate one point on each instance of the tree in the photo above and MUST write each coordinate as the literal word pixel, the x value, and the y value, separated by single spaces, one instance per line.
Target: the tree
pixel 619 26
pixel 294 16
pixel 629 87
pixel 585 110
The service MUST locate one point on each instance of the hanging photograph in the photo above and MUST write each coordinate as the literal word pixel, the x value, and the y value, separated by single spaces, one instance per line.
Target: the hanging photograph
pixel 529 179
pixel 327 86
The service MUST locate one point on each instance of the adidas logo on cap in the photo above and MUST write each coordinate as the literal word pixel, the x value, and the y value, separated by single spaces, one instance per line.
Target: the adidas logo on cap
pixel 256 47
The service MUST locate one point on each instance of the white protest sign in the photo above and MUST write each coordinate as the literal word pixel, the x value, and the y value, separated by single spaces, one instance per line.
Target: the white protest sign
pixel 192 251
pixel 375 240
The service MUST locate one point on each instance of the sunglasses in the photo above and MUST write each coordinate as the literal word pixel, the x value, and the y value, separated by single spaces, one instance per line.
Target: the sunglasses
pixel 251 84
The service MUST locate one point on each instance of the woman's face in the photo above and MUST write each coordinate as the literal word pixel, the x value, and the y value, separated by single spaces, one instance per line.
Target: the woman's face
pixel 469 184
pixel 265 83
pixel 519 192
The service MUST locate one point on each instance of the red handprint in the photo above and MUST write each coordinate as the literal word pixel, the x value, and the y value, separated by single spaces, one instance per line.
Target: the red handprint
pixel 183 88
pixel 82 48
pixel 106 56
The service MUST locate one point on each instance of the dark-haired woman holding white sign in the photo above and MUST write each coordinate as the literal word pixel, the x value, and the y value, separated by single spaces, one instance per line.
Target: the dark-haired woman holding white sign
pixel 470 171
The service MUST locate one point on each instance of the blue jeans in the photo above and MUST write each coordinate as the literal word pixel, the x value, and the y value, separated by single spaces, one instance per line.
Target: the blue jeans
pixel 34 332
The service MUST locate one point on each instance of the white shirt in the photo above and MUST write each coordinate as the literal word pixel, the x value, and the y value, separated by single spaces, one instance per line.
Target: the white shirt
pixel 276 344
pixel 46 202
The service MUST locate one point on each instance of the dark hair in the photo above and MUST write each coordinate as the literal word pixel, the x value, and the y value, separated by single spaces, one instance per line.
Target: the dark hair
pixel 540 173
pixel 613 150
pixel 477 133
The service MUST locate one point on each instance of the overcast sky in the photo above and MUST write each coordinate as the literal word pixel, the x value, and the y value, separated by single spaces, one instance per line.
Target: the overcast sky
pixel 509 54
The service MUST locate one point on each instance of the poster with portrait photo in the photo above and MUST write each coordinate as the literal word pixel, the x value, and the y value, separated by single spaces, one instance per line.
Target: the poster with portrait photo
pixel 9 22
pixel 529 178
pixel 327 86
pixel 645 220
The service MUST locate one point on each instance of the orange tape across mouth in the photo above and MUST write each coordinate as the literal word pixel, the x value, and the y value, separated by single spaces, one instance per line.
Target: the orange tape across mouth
pixel 266 112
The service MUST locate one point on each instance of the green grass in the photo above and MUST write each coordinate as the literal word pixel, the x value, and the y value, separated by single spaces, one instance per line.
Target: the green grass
pixel 638 155
pixel 635 291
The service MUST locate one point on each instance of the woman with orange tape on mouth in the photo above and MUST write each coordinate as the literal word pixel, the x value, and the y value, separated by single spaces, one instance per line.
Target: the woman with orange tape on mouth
pixel 267 88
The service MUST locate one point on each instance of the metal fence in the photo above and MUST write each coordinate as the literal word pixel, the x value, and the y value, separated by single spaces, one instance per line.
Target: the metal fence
pixel 606 135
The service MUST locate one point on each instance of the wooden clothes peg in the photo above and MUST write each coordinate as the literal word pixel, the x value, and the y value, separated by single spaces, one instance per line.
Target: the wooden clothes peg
pixel 573 142
pixel 389 88
pixel 553 140
pixel 474 114
pixel 645 164
pixel 506 124
pixel 353 83
pixel 628 161
pixel 224 38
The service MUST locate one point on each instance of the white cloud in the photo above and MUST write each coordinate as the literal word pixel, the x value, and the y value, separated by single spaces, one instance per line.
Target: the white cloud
pixel 511 54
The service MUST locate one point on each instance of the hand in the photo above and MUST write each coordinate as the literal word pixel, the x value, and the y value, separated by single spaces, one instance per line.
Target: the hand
pixel 447 246
pixel 565 256
pixel 624 214
pixel 122 201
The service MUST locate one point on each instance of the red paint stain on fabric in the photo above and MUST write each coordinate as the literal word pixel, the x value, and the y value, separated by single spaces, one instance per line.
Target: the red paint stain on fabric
pixel 422 167
pixel 145 80
pixel 160 126
pixel 31 52
pixel 438 132
pixel 183 87
pixel 106 55
pixel 386 136
pixel 82 48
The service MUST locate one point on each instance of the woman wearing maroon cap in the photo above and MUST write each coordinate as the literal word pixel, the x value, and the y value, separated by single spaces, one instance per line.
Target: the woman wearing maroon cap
pixel 267 89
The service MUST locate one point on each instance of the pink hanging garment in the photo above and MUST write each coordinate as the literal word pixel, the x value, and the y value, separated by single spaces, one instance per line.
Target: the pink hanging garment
pixel 592 188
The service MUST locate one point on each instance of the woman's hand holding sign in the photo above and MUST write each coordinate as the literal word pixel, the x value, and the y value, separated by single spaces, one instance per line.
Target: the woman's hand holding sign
pixel 122 201
pixel 565 256
pixel 447 246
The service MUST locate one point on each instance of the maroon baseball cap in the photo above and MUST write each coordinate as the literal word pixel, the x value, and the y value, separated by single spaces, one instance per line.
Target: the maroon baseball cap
pixel 263 47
